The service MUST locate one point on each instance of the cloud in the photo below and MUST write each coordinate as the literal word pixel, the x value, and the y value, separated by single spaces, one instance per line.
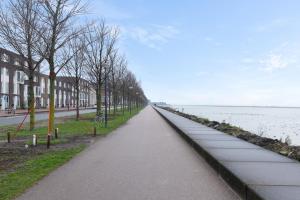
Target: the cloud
pixel 153 36
pixel 273 62
pixel 284 56
pixel 281 57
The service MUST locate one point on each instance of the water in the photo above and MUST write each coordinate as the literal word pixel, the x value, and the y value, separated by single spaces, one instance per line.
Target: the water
pixel 273 122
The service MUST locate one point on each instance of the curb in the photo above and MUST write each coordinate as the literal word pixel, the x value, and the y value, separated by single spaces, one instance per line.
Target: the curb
pixel 240 187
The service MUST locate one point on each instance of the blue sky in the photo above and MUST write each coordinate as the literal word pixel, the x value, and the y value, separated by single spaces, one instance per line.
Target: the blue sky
pixel 216 52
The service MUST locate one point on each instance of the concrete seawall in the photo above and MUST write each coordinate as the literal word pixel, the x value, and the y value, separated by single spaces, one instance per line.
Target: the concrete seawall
pixel 252 171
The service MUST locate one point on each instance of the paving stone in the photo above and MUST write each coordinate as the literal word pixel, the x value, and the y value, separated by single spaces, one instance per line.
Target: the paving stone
pixel 266 173
pixel 207 144
pixel 277 192
pixel 250 155
pixel 203 132
pixel 214 137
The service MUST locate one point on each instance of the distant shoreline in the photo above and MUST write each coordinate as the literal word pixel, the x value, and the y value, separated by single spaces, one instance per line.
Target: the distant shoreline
pixel 293 107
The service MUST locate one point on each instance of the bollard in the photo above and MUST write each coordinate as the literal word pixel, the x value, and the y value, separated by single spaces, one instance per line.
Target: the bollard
pixel 56 133
pixel 48 141
pixel 34 140
pixel 8 137
pixel 95 131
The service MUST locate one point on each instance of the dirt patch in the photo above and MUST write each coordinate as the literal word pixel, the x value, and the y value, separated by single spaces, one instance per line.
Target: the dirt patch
pixel 15 153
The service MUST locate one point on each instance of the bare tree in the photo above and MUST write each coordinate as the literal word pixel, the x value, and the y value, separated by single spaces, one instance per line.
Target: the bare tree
pixel 122 83
pixel 18 22
pixel 75 68
pixel 57 18
pixel 118 65
pixel 101 41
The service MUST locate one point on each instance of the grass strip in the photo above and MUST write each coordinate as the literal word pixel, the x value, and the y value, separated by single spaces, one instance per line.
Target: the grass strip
pixel 14 183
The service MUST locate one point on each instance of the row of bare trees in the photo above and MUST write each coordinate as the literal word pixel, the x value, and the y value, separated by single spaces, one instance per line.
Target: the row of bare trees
pixel 52 31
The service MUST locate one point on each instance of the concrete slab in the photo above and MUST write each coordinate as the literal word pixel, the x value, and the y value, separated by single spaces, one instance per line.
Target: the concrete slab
pixel 207 144
pixel 266 173
pixel 276 192
pixel 248 155
pixel 203 132
pixel 214 137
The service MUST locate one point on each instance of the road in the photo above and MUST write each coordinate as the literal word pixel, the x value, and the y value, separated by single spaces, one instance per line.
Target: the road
pixel 143 160
pixel 39 116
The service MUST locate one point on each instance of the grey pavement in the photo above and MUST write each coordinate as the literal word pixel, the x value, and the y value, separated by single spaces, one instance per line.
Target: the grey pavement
pixel 39 116
pixel 143 160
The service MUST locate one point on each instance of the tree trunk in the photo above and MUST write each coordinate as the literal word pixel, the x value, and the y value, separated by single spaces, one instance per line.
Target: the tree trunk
pixel 77 101
pixel 52 78
pixel 109 100
pixel 105 89
pixel 114 100
pixel 123 100
pixel 31 100
pixel 99 102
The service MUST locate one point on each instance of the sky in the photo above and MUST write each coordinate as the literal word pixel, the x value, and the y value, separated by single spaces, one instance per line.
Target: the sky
pixel 210 52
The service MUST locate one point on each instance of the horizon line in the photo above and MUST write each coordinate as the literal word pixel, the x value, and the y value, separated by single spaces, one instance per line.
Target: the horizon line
pixel 262 106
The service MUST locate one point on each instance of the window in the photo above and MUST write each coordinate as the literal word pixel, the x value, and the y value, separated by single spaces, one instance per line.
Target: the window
pixel 25 63
pixel 35 78
pixel 4 80
pixel 26 77
pixel 4 58
pixel 25 96
pixel 43 86
pixel 37 91
pixel 20 77
pixel 59 98
pixel 16 82
pixel 17 62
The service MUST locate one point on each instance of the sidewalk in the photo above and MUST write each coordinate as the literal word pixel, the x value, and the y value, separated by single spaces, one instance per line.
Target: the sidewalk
pixel 20 112
pixel 143 160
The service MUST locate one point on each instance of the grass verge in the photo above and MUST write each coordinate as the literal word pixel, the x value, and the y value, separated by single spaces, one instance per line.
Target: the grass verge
pixel 14 183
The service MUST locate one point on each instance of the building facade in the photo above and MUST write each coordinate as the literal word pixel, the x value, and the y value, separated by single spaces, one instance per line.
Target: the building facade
pixel 14 86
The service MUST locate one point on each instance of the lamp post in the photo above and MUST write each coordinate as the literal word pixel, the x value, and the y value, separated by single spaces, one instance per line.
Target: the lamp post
pixel 129 98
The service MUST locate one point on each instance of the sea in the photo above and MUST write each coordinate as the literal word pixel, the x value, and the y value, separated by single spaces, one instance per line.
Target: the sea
pixel 282 123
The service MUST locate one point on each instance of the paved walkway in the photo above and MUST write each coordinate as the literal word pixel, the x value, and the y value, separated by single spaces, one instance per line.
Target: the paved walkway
pixel 143 160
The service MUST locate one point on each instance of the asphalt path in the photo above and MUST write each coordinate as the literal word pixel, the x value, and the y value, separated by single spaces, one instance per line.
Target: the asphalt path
pixel 145 159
